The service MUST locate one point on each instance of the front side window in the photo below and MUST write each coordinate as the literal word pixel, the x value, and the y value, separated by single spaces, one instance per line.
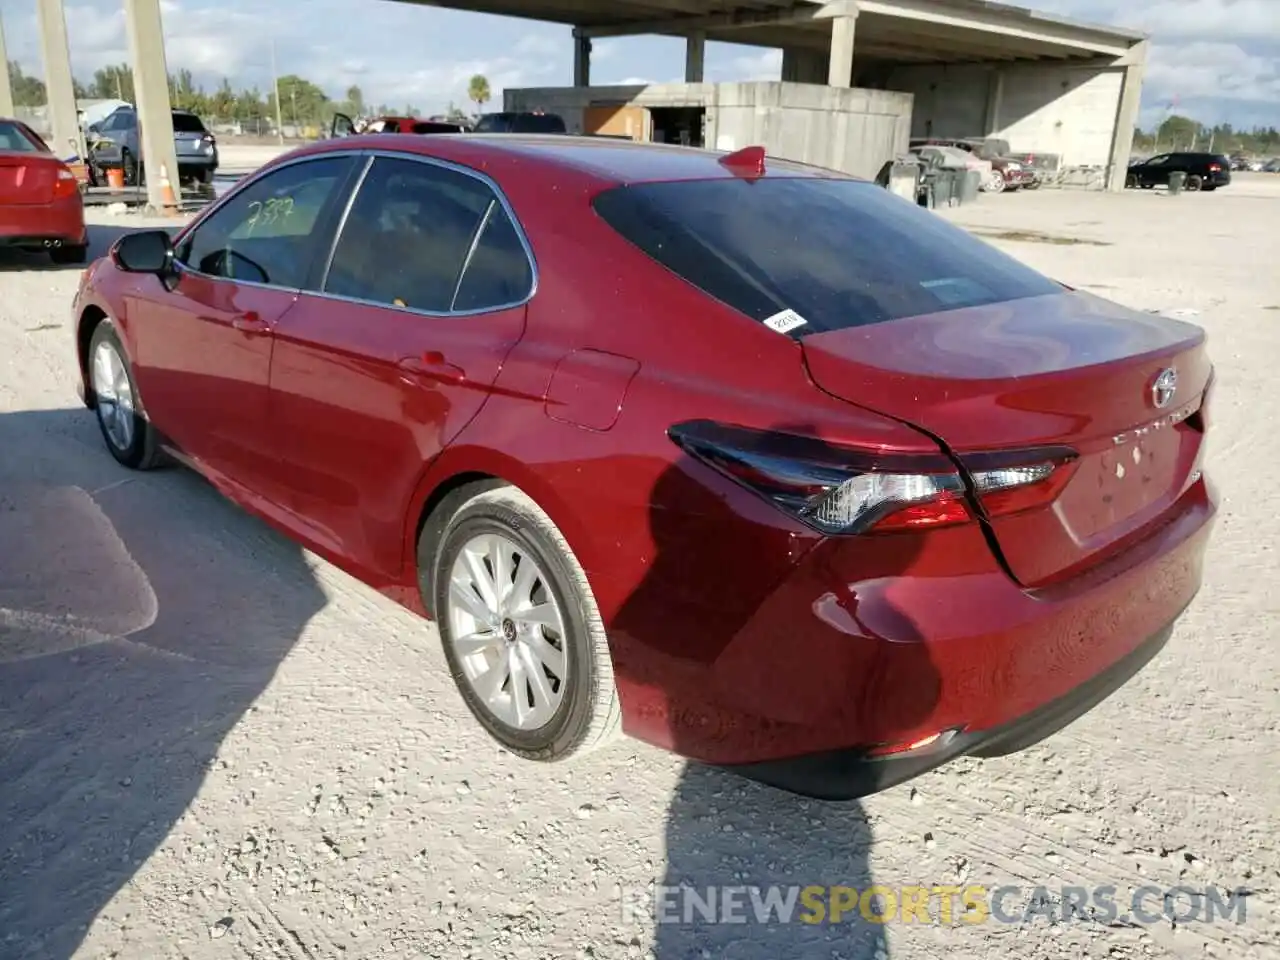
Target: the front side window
pixel 267 233
pixel 408 235
pixel 840 253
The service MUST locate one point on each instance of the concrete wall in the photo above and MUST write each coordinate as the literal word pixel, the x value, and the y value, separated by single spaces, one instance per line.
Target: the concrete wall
pixel 1065 110
pixel 851 130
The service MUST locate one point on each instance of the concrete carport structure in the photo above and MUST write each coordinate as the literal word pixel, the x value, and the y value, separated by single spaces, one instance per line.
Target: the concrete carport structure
pixel 1046 84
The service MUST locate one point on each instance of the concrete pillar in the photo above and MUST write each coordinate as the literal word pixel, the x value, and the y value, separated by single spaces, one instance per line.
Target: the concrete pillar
pixel 6 87
pixel 581 60
pixel 1135 65
pixel 151 90
pixel 840 66
pixel 58 83
pixel 995 100
pixel 695 56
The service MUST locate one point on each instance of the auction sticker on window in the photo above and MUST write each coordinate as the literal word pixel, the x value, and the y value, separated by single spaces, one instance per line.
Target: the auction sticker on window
pixel 785 322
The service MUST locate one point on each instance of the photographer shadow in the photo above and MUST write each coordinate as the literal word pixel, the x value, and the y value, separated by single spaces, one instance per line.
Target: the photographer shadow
pixel 141 617
pixel 725 831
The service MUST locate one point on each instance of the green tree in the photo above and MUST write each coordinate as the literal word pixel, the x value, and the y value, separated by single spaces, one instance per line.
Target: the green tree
pixel 301 101
pixel 478 91
pixel 27 91
pixel 355 101
pixel 222 104
pixel 113 83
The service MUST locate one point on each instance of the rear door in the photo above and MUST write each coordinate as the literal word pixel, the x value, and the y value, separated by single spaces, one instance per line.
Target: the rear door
pixel 391 352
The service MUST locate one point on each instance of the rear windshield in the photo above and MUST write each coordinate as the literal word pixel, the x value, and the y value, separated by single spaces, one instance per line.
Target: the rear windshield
pixel 187 123
pixel 428 126
pixel 839 253
pixel 13 137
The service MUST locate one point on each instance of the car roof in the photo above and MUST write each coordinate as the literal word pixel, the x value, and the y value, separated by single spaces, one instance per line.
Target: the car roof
pixel 604 159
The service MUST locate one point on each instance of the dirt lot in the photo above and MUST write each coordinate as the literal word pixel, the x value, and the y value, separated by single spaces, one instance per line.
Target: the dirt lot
pixel 215 745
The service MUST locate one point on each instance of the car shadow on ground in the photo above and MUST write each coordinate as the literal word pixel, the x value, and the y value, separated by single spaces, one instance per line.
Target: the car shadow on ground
pixel 135 631
pixel 723 831
pixel 101 237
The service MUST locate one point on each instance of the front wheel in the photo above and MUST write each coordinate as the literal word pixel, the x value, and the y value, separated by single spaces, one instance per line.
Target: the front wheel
pixel 996 182
pixel 129 437
pixel 521 631
pixel 1131 181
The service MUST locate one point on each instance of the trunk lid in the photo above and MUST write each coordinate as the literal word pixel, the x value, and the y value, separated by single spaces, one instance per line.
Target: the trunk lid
pixel 27 178
pixel 1068 369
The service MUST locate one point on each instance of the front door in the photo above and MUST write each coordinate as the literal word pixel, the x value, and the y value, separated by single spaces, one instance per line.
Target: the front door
pixel 204 341
pixel 392 353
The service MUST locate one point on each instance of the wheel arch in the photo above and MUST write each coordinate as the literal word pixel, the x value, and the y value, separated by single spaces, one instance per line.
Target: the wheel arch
pixel 90 318
pixel 475 469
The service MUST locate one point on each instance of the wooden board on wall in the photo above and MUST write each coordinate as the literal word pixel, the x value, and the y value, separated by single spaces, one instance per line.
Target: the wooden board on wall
pixel 618 120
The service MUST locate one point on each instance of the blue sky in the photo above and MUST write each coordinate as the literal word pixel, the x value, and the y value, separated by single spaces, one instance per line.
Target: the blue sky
pixel 1219 58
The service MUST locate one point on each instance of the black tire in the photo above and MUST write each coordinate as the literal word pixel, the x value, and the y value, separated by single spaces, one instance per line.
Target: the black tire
pixel 1193 184
pixel 1130 181
pixel 129 167
pixel 142 452
pixel 588 715
pixel 69 253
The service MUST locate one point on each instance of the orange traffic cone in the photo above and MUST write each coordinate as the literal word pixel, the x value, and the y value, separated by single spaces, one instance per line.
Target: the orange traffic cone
pixel 167 200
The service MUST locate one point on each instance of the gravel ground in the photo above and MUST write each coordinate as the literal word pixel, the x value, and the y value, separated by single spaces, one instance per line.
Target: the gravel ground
pixel 212 744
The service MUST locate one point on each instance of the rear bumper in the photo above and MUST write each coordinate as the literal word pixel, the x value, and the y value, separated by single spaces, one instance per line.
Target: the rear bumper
pixel 873 646
pixel 31 225
pixel 849 774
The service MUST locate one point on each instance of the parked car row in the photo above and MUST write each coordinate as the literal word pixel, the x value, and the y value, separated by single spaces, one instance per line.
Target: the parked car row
pixel 1000 171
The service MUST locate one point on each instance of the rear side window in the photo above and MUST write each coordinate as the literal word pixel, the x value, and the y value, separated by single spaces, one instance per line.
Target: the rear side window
pixel 15 138
pixel 408 235
pixel 187 123
pixel 498 273
pixel 839 253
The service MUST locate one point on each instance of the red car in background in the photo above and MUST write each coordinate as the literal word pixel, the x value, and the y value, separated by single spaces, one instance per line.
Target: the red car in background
pixel 41 206
pixel 751 459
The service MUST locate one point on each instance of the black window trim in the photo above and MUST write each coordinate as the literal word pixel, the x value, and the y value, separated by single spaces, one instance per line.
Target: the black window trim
pixel 497 195
pixel 355 178
pixel 248 184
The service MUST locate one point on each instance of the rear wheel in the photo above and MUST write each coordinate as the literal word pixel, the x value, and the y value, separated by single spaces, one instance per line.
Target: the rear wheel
pixel 520 627
pixel 1194 183
pixel 69 253
pixel 129 437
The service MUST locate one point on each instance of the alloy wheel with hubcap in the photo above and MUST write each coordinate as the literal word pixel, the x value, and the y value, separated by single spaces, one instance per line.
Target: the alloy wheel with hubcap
pixel 114 393
pixel 519 624
pixel 508 631
pixel 128 434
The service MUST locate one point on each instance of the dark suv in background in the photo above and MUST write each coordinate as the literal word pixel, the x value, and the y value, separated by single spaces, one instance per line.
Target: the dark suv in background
pixel 1205 171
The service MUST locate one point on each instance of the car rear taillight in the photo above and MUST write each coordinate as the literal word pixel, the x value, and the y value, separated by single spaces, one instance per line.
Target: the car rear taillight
pixel 1215 168
pixel 65 184
pixel 842 490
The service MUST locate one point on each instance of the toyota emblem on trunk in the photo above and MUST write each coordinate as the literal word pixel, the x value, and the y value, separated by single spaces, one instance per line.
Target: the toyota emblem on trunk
pixel 1165 386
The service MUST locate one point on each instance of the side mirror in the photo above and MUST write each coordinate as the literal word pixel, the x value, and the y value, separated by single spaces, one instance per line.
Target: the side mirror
pixel 147 251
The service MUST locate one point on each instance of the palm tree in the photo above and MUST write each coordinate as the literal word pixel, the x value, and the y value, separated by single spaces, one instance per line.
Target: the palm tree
pixel 478 91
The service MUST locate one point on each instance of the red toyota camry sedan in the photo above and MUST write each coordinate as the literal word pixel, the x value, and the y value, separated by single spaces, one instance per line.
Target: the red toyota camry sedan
pixel 40 203
pixel 750 460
